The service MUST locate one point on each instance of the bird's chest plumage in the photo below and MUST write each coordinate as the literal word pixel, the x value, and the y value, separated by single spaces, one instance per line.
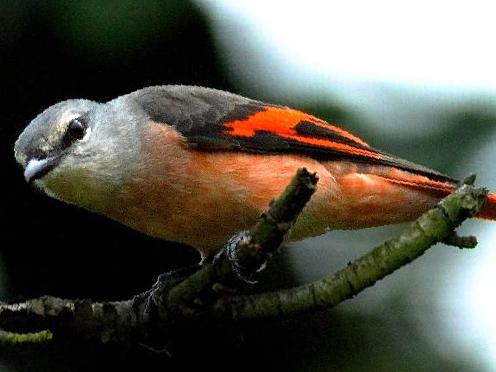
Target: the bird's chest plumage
pixel 201 198
pixel 208 202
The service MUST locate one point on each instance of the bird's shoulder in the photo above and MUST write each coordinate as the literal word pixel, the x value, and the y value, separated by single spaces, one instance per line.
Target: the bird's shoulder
pixel 190 109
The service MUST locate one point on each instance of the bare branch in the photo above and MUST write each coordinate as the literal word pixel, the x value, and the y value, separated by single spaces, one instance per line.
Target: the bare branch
pixel 247 251
pixel 174 302
pixel 434 226
pixel 103 321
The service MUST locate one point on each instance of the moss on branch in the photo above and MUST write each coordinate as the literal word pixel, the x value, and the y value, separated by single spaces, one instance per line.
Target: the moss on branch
pixel 13 338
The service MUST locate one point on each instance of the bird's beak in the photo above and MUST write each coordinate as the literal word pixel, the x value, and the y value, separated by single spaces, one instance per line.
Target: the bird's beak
pixel 37 168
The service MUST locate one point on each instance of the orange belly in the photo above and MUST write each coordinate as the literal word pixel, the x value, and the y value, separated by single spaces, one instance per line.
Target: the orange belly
pixel 202 198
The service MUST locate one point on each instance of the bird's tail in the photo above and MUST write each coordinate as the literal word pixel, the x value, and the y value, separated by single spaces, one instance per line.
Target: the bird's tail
pixel 442 189
pixel 489 209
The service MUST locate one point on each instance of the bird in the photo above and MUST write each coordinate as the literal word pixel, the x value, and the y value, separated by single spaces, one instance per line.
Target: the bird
pixel 196 165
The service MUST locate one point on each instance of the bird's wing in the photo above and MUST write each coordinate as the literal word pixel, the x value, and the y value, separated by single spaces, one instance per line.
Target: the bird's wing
pixel 210 119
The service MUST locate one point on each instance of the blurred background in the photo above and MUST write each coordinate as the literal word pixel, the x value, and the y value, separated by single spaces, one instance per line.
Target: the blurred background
pixel 413 78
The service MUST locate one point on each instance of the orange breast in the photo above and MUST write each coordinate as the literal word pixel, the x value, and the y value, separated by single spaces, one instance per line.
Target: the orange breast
pixel 201 198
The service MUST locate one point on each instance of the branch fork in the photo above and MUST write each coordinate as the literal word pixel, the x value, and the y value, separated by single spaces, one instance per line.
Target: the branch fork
pixel 195 296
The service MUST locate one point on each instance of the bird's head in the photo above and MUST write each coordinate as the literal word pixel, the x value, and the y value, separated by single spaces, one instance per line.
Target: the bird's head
pixel 77 151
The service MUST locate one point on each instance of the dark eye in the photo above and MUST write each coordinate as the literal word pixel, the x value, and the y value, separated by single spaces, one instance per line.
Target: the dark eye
pixel 76 129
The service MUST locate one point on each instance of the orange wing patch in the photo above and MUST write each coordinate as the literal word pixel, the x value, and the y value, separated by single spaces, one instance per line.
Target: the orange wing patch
pixel 308 135
pixel 282 122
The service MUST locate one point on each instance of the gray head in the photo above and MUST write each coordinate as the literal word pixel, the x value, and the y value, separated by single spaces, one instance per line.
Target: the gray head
pixel 73 151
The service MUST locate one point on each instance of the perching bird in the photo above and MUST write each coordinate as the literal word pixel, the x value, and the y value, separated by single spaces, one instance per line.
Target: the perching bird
pixel 196 165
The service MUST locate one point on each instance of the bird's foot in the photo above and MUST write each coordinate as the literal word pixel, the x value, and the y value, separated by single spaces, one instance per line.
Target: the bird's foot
pixel 231 254
pixel 164 283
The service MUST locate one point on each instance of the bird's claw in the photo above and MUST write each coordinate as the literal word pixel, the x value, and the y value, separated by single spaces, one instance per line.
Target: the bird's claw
pixel 165 281
pixel 230 253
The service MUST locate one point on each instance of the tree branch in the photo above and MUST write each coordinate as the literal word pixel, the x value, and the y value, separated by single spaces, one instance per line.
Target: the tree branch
pixel 172 302
pixel 434 226
pixel 247 252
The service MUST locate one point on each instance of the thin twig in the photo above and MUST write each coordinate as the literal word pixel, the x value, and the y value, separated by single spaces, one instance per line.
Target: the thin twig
pixel 248 251
pixel 432 227
pixel 13 338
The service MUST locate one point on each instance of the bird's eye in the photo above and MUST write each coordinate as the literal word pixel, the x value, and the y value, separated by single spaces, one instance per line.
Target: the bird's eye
pixel 76 129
